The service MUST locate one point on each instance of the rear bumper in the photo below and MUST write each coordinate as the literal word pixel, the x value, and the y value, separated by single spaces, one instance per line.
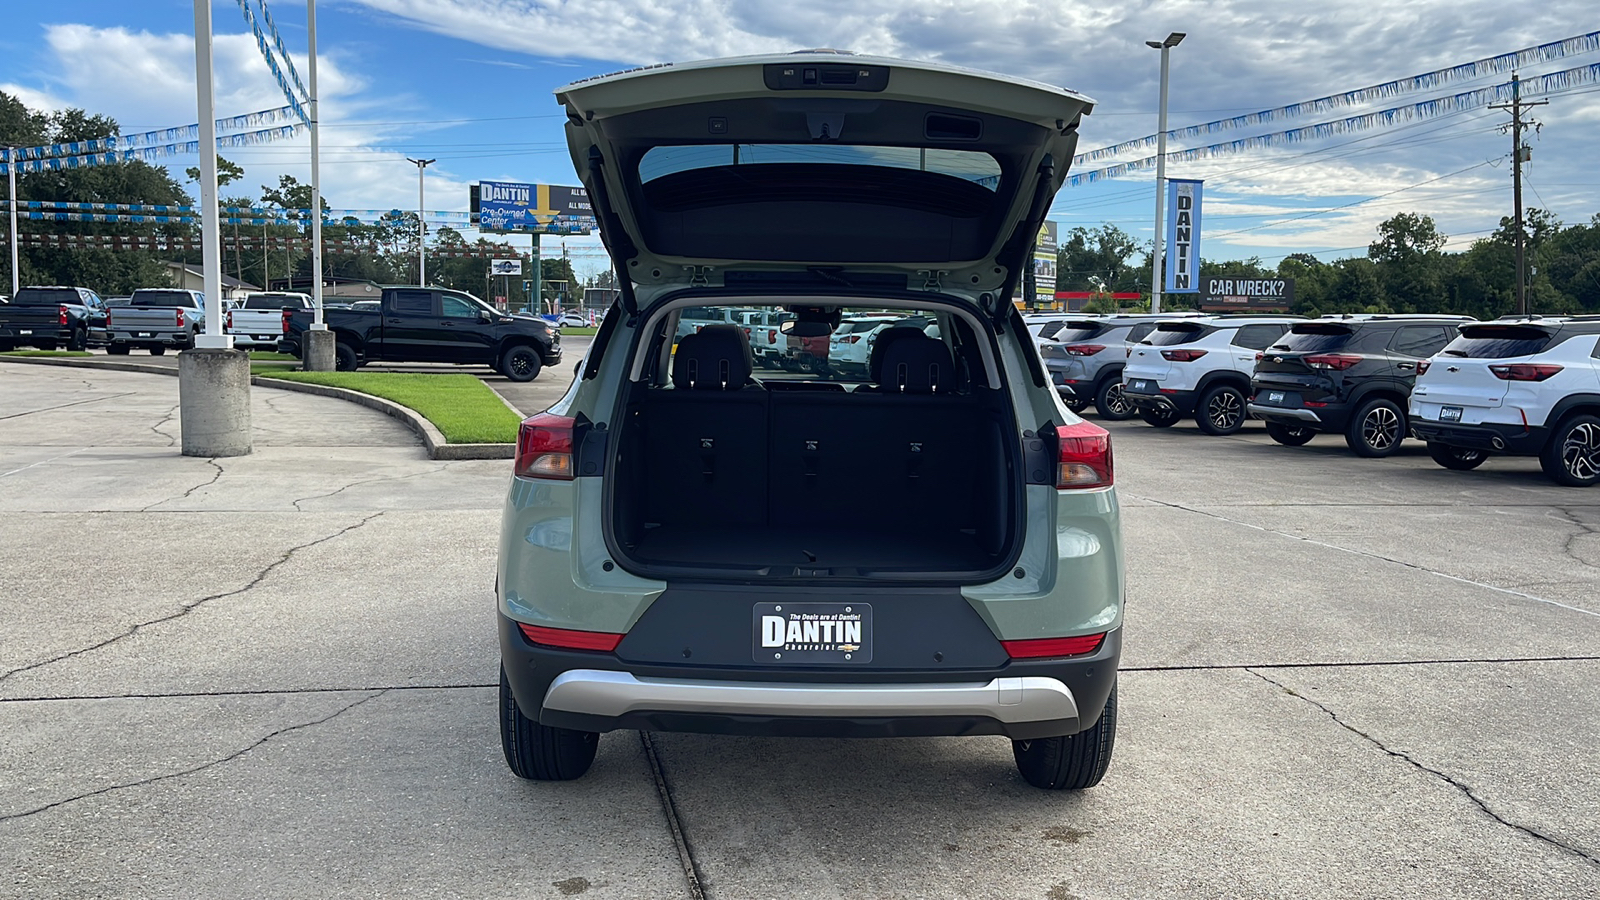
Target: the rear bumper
pixel 1494 438
pixel 164 338
pixel 53 333
pixel 1180 402
pixel 289 346
pixel 1022 700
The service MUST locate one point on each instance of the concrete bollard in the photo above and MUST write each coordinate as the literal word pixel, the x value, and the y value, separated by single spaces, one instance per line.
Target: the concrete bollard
pixel 316 350
pixel 214 402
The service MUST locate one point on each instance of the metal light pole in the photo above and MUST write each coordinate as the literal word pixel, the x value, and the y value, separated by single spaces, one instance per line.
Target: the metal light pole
pixel 316 176
pixel 210 228
pixel 1172 40
pixel 422 226
pixel 11 177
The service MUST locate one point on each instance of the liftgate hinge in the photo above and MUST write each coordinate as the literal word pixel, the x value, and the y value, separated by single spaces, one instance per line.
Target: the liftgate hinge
pixel 931 277
pixel 699 276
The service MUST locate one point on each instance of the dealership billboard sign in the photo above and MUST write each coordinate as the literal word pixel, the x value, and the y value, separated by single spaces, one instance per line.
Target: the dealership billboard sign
pixel 1246 294
pixel 1183 236
pixel 1044 265
pixel 509 207
pixel 506 267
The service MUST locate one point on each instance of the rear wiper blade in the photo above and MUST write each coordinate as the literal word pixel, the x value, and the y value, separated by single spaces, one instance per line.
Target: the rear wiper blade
pixel 1460 353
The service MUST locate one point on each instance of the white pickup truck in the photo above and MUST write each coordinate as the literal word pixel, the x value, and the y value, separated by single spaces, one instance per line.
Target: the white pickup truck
pixel 257 323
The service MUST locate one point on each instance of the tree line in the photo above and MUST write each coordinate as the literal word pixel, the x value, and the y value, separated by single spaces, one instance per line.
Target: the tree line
pixel 255 254
pixel 1405 270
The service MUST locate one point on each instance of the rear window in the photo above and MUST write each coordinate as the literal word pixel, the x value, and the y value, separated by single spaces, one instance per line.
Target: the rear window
pixel 1315 338
pixel 44 297
pixel 969 165
pixel 1169 333
pixel 1139 332
pixel 705 314
pixel 273 301
pixel 1497 342
pixel 1071 331
pixel 859 326
pixel 163 299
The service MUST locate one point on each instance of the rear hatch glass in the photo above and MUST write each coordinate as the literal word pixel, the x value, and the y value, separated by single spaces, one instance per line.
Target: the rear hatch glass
pixel 1068 332
pixel 1498 342
pixel 1169 333
pixel 1315 338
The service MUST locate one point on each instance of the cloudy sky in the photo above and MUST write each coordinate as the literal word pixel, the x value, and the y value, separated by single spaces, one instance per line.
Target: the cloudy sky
pixel 469 82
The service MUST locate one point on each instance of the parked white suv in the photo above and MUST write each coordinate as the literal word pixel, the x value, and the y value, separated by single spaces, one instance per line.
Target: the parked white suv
pixel 850 345
pixel 1521 387
pixel 1199 366
pixel 1084 357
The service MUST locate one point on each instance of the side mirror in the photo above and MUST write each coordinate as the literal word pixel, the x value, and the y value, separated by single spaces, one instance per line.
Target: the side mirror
pixel 483 316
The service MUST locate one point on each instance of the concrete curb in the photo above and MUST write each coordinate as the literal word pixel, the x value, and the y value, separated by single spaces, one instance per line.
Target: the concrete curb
pixel 438 448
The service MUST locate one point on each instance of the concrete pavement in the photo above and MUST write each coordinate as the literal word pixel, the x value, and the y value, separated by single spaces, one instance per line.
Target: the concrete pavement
pixel 273 676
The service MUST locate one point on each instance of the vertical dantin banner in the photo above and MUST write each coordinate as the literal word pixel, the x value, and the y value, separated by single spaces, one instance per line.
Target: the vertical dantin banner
pixel 1044 267
pixel 1183 236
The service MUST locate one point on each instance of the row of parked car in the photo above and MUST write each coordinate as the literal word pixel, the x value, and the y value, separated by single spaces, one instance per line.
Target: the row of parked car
pixel 1525 386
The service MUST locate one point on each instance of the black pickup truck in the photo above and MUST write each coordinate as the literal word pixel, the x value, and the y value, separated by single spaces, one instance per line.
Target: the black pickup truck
pixel 414 324
pixel 48 317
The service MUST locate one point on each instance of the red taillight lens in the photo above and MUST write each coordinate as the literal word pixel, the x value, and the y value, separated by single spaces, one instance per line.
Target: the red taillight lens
pixel 1042 647
pixel 1423 364
pixel 1082 349
pixel 228 322
pixel 286 315
pixel 1084 459
pixel 772 336
pixel 1524 372
pixel 180 317
pixel 567 639
pixel 108 317
pixel 62 313
pixel 1183 355
pixel 1338 362
pixel 1260 356
pixel 851 339
pixel 544 447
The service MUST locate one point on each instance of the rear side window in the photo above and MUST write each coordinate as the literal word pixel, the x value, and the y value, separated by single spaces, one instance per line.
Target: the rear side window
pixel 1314 338
pixel 1257 337
pixel 412 303
pixel 1498 342
pixel 1169 333
pixel 1420 341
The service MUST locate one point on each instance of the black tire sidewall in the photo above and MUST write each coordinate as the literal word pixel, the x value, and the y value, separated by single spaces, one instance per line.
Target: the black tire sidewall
pixel 1103 406
pixel 509 371
pixel 1158 419
pixel 1551 459
pixel 1354 436
pixel 1202 413
pixel 1445 455
pixel 1287 436
pixel 344 357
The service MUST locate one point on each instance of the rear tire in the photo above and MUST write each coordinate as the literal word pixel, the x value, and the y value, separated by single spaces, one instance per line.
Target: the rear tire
pixel 344 357
pixel 1221 411
pixel 1377 429
pixel 1290 435
pixel 1160 418
pixel 158 350
pixel 1077 406
pixel 520 363
pixel 46 345
pixel 118 349
pixel 1459 458
pixel 1111 403
pixel 79 340
pixel 1572 457
pixel 540 752
pixel 1070 763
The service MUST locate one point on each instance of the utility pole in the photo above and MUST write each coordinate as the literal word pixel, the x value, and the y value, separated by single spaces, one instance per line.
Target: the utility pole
pixel 422 226
pixel 1165 46
pixel 1520 153
pixel 11 177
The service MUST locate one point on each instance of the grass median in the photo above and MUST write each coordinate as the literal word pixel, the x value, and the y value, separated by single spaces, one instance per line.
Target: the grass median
pixel 46 353
pixel 460 406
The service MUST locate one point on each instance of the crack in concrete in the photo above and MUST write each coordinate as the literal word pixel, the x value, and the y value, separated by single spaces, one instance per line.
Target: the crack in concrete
pixel 1370 555
pixel 1464 789
pixel 212 461
pixel 172 440
pixel 186 608
pixel 190 771
pixel 433 471
pixel 1584 530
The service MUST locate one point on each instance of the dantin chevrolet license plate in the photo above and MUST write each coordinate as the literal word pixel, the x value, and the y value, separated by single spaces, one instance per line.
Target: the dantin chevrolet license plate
pixel 801 633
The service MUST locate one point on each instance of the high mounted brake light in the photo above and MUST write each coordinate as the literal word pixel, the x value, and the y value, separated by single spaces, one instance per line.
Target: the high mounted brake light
pixel 1083 457
pixel 1524 371
pixel 544 447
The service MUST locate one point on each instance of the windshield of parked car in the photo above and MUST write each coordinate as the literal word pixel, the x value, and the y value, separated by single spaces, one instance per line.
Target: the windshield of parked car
pixel 1314 338
pixel 163 299
pixel 1497 342
pixel 44 297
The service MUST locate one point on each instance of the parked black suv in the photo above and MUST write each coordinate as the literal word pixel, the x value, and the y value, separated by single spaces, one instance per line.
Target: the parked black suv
pixel 1349 375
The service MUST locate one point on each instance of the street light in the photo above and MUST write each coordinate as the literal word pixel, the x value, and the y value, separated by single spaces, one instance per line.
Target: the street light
pixel 11 176
pixel 1173 40
pixel 422 226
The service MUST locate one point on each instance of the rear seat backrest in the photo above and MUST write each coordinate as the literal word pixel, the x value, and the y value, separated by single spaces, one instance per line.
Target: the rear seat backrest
pixel 715 358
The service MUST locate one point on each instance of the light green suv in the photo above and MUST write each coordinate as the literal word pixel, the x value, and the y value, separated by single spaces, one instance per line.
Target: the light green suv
pixel 932 547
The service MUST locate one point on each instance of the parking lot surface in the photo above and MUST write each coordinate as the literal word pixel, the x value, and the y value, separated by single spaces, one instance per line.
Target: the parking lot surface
pixel 274 676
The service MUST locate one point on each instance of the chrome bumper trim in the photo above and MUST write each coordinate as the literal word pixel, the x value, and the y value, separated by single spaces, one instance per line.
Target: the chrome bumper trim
pixel 1009 700
pixel 1270 412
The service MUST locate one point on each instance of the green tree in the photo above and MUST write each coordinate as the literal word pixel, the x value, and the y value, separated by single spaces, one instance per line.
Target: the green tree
pixel 1105 252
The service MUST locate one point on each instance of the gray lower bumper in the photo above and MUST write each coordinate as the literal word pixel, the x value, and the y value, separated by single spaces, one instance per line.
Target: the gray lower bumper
pixel 1277 412
pixel 1008 701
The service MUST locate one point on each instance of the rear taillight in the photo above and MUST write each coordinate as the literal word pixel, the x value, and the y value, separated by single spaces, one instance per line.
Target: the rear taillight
pixel 1036 648
pixel 108 317
pixel 1082 349
pixel 1423 364
pixel 62 313
pixel 772 336
pixel 1337 362
pixel 286 315
pixel 544 447
pixel 1260 356
pixel 1524 372
pixel 1183 355
pixel 850 340
pixel 179 317
pixel 1084 457
pixel 227 323
pixel 567 639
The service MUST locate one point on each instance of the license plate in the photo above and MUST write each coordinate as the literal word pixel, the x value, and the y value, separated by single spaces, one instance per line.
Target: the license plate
pixel 24 331
pixel 1274 396
pixel 263 337
pixel 800 633
pixel 141 334
pixel 1143 386
pixel 1449 413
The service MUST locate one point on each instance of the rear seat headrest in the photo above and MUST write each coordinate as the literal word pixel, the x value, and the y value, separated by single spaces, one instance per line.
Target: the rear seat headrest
pixel 881 344
pixel 715 358
pixel 917 364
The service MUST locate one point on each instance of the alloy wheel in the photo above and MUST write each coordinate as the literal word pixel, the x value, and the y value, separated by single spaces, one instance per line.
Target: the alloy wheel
pixel 1381 428
pixel 521 363
pixel 1580 451
pixel 1224 410
pixel 1116 403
